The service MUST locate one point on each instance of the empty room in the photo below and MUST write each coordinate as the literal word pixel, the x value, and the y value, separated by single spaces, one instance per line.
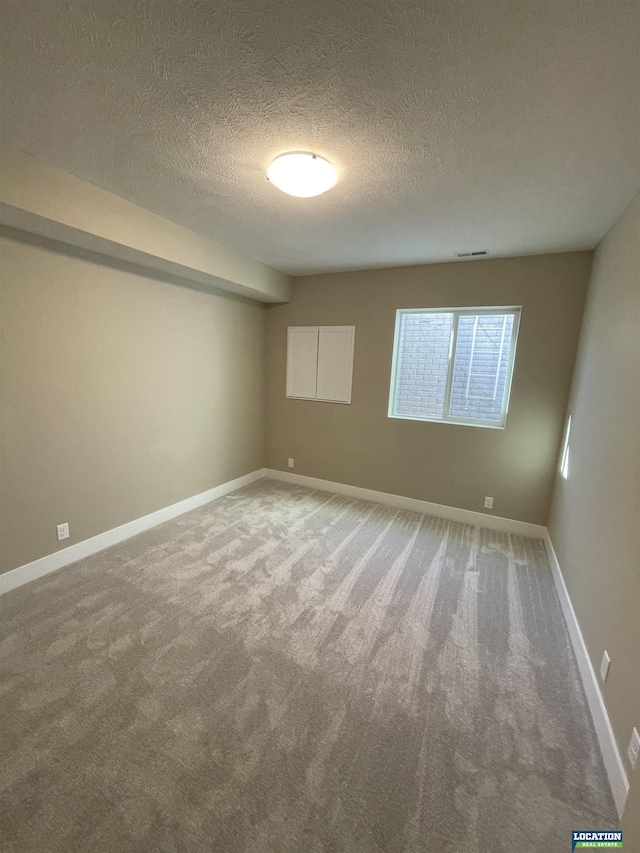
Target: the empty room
pixel 319 426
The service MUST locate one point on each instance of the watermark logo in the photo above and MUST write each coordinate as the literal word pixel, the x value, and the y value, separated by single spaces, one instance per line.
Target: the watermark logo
pixel 582 840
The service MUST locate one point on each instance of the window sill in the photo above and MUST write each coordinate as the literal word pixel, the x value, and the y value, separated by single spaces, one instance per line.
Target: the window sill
pixel 481 424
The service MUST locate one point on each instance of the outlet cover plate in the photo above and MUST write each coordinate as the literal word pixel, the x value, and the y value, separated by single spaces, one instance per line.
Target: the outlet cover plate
pixel 62 531
pixel 488 503
pixel 290 462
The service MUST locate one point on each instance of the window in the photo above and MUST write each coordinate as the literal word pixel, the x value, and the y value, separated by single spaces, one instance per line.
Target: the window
pixel 564 459
pixel 454 365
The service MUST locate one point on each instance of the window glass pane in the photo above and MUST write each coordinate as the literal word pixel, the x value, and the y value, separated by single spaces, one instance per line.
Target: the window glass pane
pixel 481 366
pixel 423 362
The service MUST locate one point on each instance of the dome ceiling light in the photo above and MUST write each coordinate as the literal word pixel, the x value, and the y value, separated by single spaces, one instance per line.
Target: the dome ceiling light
pixel 300 174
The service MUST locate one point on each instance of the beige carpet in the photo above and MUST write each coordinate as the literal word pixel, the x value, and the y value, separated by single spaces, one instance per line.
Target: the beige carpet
pixel 289 671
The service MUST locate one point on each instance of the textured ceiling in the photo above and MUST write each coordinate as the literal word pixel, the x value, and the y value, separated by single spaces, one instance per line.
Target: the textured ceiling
pixel 456 125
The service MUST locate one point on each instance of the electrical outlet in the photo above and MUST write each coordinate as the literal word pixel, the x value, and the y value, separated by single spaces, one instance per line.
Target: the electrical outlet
pixel 488 503
pixel 290 463
pixel 634 748
pixel 63 531
pixel 604 666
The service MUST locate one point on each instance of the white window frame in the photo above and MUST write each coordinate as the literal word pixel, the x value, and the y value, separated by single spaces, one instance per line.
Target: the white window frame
pixel 516 310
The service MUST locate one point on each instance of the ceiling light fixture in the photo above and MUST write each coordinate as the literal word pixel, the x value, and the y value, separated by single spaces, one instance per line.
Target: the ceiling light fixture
pixel 300 174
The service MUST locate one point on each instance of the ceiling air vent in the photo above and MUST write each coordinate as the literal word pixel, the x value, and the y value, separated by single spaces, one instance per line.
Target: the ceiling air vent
pixel 469 254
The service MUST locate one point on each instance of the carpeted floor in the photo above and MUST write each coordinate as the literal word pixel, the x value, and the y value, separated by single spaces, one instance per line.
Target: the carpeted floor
pixel 289 671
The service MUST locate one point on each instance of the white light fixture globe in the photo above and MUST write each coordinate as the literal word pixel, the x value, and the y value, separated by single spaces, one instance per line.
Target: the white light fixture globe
pixel 302 175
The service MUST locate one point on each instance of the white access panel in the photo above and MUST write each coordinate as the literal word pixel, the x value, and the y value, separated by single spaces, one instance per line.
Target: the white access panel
pixel 335 363
pixel 302 361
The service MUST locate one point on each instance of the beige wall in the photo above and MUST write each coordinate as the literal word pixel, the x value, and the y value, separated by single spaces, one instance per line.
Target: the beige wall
pixel 444 463
pixel 120 395
pixel 595 516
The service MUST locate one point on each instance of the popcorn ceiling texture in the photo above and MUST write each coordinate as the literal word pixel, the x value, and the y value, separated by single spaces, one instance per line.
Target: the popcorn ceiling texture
pixel 456 125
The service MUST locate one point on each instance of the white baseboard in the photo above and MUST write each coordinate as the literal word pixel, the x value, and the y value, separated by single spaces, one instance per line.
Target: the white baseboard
pixel 52 562
pixel 606 738
pixel 466 516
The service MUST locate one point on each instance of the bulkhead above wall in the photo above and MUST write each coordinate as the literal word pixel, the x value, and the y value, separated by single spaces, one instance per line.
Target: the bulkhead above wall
pixel 42 200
